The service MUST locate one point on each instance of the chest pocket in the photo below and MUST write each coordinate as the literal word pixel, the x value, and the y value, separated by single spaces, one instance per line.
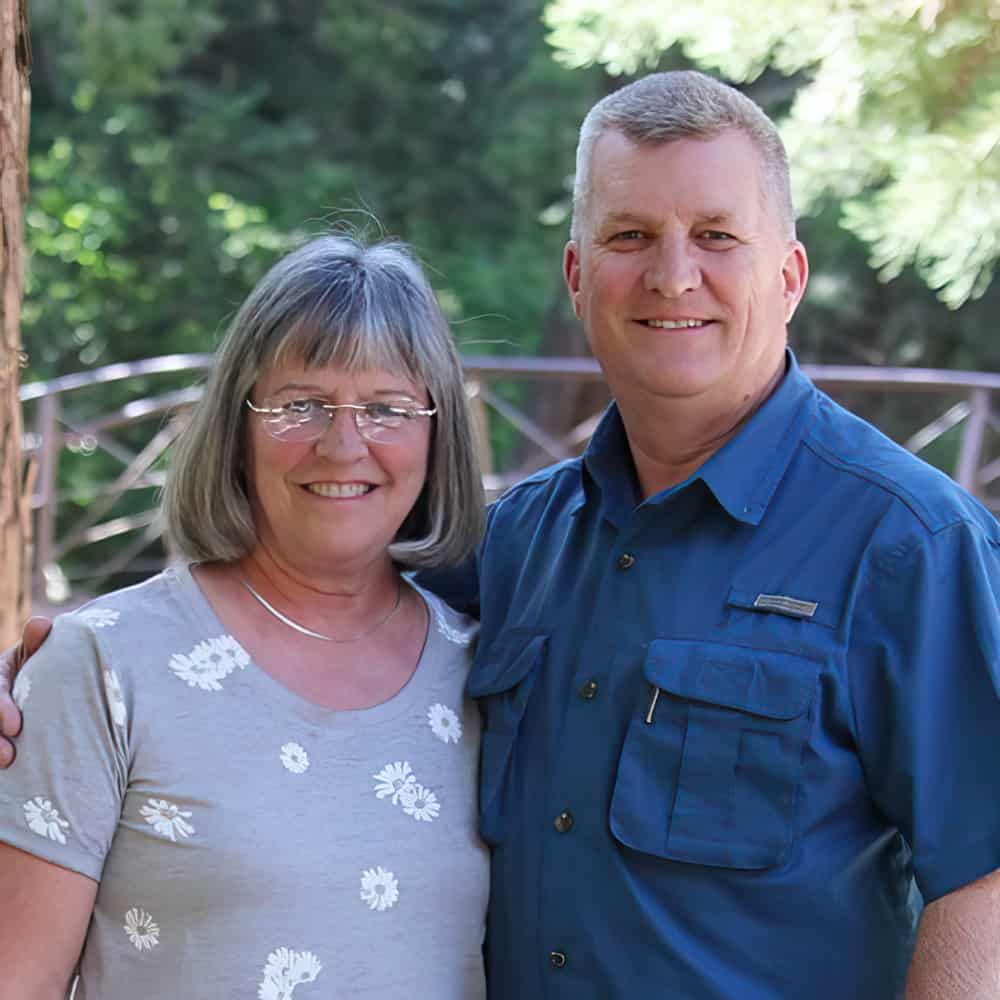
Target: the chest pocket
pixel 502 677
pixel 713 778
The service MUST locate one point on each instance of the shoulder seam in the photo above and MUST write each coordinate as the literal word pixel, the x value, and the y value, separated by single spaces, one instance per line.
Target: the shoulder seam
pixel 893 488
pixel 541 479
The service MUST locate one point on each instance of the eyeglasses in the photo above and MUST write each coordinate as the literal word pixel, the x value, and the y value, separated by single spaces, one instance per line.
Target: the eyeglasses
pixel 309 419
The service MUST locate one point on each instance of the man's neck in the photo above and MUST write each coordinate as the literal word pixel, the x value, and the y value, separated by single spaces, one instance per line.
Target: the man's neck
pixel 670 439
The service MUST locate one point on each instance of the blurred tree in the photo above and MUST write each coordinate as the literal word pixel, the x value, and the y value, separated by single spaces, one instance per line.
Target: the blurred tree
pixel 15 97
pixel 180 145
pixel 896 109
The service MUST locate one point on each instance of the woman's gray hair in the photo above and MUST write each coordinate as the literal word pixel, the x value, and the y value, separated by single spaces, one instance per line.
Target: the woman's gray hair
pixel 683 104
pixel 334 301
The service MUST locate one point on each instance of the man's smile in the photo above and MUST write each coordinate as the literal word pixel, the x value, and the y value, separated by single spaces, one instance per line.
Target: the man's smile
pixel 675 324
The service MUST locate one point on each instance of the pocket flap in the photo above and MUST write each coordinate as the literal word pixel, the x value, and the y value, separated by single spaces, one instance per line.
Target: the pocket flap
pixel 505 662
pixel 759 681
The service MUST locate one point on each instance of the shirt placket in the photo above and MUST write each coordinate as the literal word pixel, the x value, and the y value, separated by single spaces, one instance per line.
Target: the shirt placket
pixel 573 823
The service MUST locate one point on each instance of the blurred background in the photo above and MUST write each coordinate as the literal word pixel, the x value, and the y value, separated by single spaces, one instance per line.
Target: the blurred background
pixel 179 146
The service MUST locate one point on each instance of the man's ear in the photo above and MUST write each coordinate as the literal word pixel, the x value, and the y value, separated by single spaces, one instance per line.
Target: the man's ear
pixel 794 275
pixel 571 274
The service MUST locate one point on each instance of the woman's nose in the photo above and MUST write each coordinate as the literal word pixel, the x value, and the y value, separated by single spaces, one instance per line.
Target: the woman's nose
pixel 341 440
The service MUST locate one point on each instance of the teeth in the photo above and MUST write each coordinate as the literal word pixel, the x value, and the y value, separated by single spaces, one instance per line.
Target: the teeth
pixel 338 489
pixel 675 324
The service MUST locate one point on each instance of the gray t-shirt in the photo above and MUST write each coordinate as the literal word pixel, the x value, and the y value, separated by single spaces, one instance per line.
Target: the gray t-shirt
pixel 249 843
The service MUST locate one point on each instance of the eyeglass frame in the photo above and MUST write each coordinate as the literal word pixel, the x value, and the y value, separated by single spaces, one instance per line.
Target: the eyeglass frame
pixel 406 412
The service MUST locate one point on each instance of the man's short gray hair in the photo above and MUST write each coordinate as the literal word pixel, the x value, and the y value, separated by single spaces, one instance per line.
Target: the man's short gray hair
pixel 334 301
pixel 683 104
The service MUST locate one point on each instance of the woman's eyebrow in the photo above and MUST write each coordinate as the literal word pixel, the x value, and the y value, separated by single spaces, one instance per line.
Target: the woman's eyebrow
pixel 320 391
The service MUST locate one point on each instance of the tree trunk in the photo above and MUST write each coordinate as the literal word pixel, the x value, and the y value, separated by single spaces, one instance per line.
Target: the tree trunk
pixel 15 522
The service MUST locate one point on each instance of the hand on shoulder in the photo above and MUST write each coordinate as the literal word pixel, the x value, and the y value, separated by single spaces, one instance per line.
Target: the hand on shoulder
pixel 11 661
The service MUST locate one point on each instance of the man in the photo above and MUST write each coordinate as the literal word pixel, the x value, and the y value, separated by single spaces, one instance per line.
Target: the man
pixel 740 663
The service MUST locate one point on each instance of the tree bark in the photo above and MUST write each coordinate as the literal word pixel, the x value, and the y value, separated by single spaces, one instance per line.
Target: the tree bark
pixel 15 521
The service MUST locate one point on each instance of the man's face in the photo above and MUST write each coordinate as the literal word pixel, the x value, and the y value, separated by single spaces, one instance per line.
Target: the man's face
pixel 682 275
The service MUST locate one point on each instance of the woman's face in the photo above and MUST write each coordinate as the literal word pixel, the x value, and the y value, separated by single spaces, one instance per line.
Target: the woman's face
pixel 333 504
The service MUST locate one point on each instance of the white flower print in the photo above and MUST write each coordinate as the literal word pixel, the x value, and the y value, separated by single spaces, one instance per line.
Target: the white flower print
pixel 419 802
pixel 166 818
pixel 116 702
pixel 44 819
pixel 379 888
pixel 285 970
pixel 142 931
pixel 461 637
pixel 22 688
pixel 209 662
pixel 294 758
pixel 444 723
pixel 392 779
pixel 99 617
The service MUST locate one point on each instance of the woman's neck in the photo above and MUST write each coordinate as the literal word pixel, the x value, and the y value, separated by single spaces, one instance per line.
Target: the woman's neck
pixel 340 601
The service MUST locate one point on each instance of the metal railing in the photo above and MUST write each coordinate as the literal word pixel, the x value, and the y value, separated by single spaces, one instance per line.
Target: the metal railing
pixel 966 404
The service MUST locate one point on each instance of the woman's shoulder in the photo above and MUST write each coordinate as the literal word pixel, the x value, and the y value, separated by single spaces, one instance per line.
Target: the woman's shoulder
pixel 460 630
pixel 108 634
pixel 119 607
pixel 127 629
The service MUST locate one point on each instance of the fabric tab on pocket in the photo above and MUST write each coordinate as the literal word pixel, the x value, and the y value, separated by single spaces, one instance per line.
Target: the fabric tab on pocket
pixel 772 684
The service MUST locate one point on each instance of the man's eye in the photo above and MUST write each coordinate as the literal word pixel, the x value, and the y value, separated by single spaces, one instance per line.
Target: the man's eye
pixel 628 234
pixel 717 235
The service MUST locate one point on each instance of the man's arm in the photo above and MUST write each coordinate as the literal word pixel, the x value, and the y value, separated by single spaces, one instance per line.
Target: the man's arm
pixel 43 922
pixel 957 955
pixel 35 631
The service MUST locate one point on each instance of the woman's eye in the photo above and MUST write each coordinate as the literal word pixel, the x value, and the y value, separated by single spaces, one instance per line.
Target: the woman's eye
pixel 383 411
pixel 299 407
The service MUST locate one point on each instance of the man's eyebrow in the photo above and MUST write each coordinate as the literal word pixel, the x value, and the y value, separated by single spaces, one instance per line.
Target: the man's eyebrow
pixel 623 218
pixel 713 218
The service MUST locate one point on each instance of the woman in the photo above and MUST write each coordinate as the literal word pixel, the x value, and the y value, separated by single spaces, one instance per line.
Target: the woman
pixel 254 774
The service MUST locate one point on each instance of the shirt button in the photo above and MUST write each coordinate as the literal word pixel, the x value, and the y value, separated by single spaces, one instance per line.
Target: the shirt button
pixel 588 690
pixel 557 958
pixel 626 560
pixel 563 822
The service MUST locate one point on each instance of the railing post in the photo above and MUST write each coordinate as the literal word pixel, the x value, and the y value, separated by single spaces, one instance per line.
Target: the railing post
pixel 46 481
pixel 480 426
pixel 970 453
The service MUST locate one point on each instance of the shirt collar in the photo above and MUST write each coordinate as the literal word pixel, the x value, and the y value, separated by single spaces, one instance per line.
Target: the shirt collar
pixel 742 475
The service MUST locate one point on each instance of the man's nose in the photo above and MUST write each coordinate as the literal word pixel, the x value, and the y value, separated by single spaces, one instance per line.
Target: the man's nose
pixel 341 440
pixel 673 269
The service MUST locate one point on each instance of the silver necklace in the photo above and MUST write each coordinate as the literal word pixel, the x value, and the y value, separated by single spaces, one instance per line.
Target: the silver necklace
pixel 319 635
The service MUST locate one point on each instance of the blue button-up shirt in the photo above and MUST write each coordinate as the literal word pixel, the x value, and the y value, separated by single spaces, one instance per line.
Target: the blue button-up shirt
pixel 732 726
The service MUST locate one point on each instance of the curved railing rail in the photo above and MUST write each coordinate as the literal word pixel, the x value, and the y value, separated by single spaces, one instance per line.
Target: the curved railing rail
pixel 968 404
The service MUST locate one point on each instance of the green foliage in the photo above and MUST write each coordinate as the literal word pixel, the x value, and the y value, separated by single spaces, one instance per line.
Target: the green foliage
pixel 179 146
pixel 898 117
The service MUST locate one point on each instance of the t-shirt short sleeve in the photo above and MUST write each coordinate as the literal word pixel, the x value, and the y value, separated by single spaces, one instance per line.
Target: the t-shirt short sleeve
pixel 61 798
pixel 925 680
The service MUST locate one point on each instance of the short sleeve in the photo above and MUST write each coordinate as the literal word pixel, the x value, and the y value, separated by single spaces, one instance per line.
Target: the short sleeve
pixel 61 798
pixel 924 666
